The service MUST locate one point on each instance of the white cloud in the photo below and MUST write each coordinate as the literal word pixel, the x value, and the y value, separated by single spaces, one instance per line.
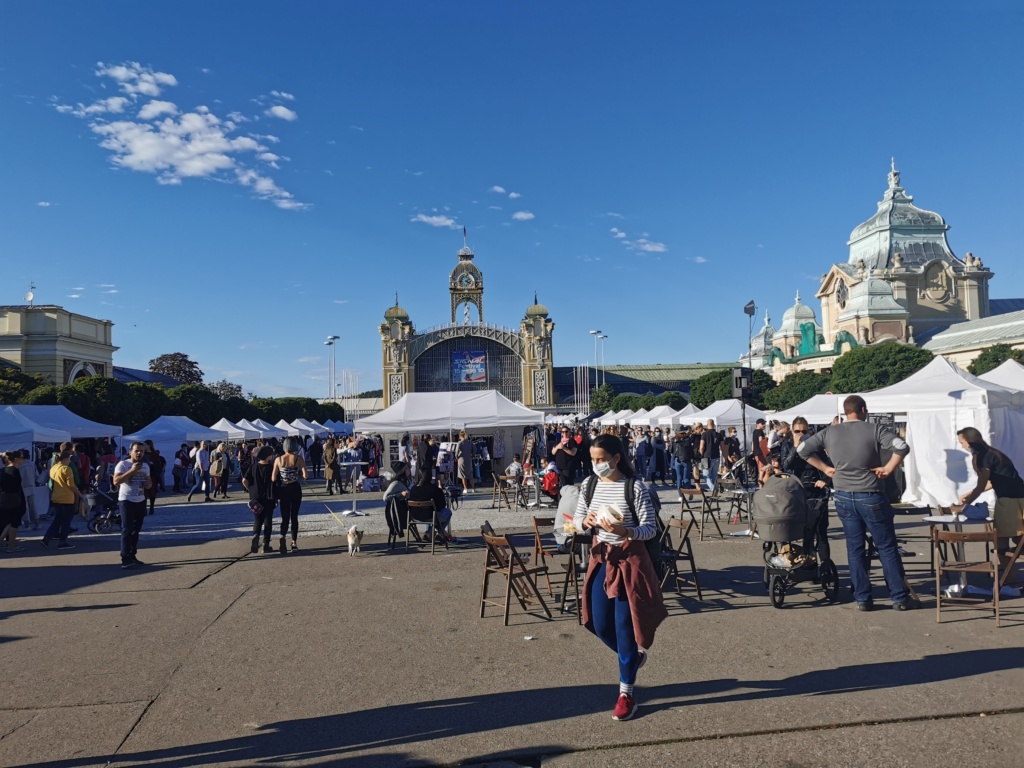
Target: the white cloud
pixel 615 215
pixel 157 108
pixel 44 204
pixel 135 80
pixel 282 112
pixel 643 244
pixel 175 146
pixel 205 70
pixel 74 295
pixel 514 195
pixel 341 301
pixel 699 260
pixel 356 128
pixel 112 290
pixel 79 289
pixel 283 95
pixel 107 285
pixel 496 188
pixel 617 233
pixel 494 207
pixel 436 221
pixel 522 216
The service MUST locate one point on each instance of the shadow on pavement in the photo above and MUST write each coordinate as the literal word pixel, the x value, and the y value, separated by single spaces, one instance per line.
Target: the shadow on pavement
pixel 335 740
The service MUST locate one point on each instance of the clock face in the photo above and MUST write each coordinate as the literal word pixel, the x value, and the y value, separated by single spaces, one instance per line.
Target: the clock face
pixel 842 294
pixel 466 281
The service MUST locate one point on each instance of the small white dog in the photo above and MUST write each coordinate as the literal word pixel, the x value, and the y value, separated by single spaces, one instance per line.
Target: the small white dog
pixel 355 538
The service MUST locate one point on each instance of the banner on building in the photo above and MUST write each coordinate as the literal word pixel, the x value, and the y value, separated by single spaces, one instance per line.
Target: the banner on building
pixel 469 367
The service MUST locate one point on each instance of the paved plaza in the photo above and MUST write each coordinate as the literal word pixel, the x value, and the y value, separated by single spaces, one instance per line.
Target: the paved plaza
pixel 214 656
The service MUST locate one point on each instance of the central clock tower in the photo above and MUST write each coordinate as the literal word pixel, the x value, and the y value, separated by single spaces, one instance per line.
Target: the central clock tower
pixel 466 285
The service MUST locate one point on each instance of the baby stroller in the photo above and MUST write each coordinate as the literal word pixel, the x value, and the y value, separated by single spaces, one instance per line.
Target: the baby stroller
pixel 106 512
pixel 784 519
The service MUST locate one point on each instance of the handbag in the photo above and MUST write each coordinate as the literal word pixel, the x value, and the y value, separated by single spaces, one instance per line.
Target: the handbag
pixel 255 507
pixel 217 467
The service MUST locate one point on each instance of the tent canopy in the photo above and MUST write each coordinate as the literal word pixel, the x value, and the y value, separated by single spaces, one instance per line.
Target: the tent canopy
pixel 288 429
pixel 652 417
pixel 235 431
pixel 443 411
pixel 727 413
pixel 1009 375
pixel 179 428
pixel 309 427
pixel 819 409
pixel 941 385
pixel 60 418
pixel 18 432
pixel 261 427
pixel 676 418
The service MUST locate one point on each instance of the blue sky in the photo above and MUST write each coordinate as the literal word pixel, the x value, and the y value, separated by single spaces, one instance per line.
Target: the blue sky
pixel 238 180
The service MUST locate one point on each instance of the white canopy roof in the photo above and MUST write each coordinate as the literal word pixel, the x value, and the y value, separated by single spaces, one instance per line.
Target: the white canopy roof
pixel 653 417
pixel 265 430
pixel 636 418
pixel 60 418
pixel 18 432
pixel 1009 375
pixel 727 413
pixel 940 385
pixel 309 427
pixel 288 429
pixel 676 418
pixel 180 429
pixel 322 429
pixel 236 431
pixel 443 411
pixel 613 419
pixel 819 409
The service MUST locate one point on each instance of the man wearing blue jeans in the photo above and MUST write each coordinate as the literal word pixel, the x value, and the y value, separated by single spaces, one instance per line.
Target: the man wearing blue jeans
pixel 855 448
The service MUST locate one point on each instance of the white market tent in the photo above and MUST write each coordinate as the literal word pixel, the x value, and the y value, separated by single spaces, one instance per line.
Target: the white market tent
pixel 18 432
pixel 264 429
pixel 653 417
pixel 444 411
pixel 614 419
pixel 284 426
pixel 1009 375
pixel 322 429
pixel 60 418
pixel 235 431
pixel 819 409
pixel 937 401
pixel 727 413
pixel 678 417
pixel 637 418
pixel 306 428
pixel 169 432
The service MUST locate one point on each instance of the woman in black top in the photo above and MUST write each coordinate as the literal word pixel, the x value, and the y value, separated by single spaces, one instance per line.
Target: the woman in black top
pixel 996 471
pixel 12 500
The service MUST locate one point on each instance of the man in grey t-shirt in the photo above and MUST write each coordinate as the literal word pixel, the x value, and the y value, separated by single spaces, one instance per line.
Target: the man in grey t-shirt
pixel 855 449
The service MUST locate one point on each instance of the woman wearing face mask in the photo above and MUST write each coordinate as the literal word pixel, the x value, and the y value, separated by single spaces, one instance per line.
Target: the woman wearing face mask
pixel 622 601
pixel 996 471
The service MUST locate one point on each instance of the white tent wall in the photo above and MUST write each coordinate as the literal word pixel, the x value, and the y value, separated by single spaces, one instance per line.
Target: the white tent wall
pixel 937 470
pixel 443 411
pixel 1009 375
pixel 19 432
pixel 169 432
pixel 59 417
pixel 819 409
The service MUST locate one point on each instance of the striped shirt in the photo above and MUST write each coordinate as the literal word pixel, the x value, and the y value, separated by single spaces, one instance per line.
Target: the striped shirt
pixel 614 494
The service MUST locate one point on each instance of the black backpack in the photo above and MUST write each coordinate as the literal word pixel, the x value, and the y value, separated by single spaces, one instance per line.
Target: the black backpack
pixel 653 545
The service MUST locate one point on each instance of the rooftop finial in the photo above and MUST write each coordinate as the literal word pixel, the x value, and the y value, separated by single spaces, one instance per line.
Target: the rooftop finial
pixel 464 244
pixel 894 175
pixel 534 297
pixel 798 297
pixel 767 319
pixel 396 298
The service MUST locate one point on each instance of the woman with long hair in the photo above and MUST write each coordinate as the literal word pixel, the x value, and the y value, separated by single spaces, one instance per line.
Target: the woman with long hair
pixel 12 500
pixel 996 471
pixel 622 601
pixel 288 468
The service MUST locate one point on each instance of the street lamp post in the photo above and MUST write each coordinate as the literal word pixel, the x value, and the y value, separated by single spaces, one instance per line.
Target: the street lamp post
pixel 332 361
pixel 595 334
pixel 604 373
pixel 330 384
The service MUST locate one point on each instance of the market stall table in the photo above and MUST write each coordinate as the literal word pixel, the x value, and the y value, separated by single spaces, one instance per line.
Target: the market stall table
pixel 355 495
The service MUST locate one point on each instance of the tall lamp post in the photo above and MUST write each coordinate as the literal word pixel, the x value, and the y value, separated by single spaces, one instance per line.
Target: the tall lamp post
pixel 332 358
pixel 604 374
pixel 595 334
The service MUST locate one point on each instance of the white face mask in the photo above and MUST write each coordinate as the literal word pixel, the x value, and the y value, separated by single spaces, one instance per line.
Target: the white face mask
pixel 603 469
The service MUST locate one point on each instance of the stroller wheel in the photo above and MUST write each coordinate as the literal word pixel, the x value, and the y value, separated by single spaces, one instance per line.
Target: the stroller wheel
pixel 103 526
pixel 91 525
pixel 777 590
pixel 830 581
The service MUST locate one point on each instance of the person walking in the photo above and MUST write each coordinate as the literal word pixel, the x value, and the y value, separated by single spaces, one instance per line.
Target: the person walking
pixel 995 470
pixel 220 470
pixel 855 449
pixel 259 482
pixel 622 602
pixel 682 461
pixel 567 458
pixel 12 501
pixel 332 469
pixel 464 455
pixel 132 478
pixel 201 470
pixel 288 468
pixel 316 456
pixel 29 480
pixel 65 497
pixel 711 453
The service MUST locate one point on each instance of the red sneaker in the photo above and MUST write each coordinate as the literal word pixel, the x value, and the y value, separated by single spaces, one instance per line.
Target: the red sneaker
pixel 625 707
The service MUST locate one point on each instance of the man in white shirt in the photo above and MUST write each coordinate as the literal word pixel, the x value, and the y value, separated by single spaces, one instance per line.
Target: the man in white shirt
pixel 131 476
pixel 201 457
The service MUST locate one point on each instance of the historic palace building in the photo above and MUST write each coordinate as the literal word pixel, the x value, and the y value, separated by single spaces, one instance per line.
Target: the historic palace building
pixel 467 354
pixel 901 282
pixel 57 343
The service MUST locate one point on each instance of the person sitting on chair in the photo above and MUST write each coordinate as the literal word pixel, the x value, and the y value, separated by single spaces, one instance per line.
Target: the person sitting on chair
pixel 772 468
pixel 550 482
pixel 427 490
pixel 515 469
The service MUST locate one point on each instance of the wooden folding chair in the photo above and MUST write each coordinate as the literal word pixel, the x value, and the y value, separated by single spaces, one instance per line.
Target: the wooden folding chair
pixel 423 513
pixel 671 553
pixel 541 553
pixel 1014 556
pixel 576 570
pixel 709 508
pixel 500 491
pixel 957 541
pixel 520 580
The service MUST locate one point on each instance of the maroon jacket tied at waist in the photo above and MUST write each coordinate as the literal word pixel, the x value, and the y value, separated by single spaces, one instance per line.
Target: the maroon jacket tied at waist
pixel 629 570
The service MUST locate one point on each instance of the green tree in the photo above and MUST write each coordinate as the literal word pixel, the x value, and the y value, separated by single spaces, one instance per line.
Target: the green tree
pixel 14 384
pixel 178 366
pixel 646 402
pixel 44 395
pixel 994 356
pixel 622 402
pixel 673 400
pixel 99 398
pixel 795 389
pixel 236 408
pixel 225 390
pixel 372 393
pixel 150 403
pixel 601 398
pixel 717 385
pixel 195 401
pixel 866 368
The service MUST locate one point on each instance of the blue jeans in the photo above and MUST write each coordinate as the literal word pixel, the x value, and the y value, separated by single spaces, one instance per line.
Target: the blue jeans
pixel 641 467
pixel 613 623
pixel 860 513
pixel 712 474
pixel 202 481
pixel 684 473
